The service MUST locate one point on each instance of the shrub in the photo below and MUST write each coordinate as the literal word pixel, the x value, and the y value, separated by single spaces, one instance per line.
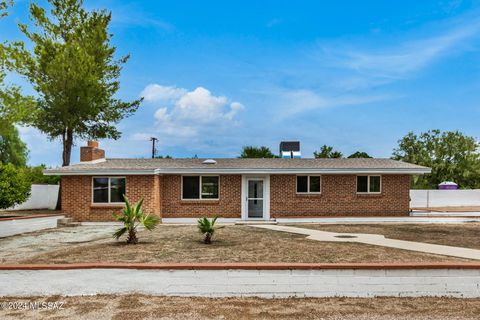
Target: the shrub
pixel 14 186
pixel 132 216
pixel 207 228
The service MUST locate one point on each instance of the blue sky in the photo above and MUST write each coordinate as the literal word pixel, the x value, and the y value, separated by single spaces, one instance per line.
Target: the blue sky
pixel 217 75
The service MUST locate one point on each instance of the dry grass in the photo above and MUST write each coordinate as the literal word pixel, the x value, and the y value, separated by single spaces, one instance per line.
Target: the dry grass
pixel 170 243
pixel 460 235
pixel 147 307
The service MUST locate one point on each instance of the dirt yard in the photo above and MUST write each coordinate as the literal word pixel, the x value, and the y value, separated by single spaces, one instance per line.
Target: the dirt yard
pixel 170 243
pixel 135 307
pixel 460 235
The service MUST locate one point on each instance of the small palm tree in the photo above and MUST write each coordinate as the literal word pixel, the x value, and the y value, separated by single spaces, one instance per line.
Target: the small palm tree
pixel 207 228
pixel 132 216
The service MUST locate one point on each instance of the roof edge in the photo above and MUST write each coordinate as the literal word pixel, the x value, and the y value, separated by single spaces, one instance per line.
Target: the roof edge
pixel 412 171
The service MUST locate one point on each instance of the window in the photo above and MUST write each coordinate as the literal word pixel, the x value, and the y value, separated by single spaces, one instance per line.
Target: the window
pixel 108 190
pixel 200 187
pixel 369 184
pixel 308 184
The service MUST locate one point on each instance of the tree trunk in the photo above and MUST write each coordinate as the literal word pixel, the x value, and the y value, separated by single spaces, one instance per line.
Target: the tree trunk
pixel 208 238
pixel 132 236
pixel 67 140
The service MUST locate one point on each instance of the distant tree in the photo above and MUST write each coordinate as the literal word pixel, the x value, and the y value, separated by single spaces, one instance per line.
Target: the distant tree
pixel 327 152
pixel 73 69
pixel 359 154
pixel 36 176
pixel 452 156
pixel 4 6
pixel 14 186
pixel 256 152
pixel 163 157
pixel 12 149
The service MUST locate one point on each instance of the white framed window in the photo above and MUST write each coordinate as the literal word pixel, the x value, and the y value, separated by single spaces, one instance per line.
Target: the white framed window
pixel 200 187
pixel 108 189
pixel 369 184
pixel 309 184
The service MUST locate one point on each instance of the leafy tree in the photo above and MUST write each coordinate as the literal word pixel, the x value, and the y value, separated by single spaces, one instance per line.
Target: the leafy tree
pixel 4 6
pixel 359 154
pixel 12 149
pixel 14 186
pixel 256 152
pixel 132 216
pixel 452 156
pixel 73 69
pixel 35 175
pixel 327 152
pixel 207 228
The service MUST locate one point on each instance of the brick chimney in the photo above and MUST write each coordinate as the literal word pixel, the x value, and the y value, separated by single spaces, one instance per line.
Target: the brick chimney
pixel 91 152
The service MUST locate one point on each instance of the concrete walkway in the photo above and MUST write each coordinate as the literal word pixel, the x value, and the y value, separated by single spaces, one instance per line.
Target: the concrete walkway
pixel 378 240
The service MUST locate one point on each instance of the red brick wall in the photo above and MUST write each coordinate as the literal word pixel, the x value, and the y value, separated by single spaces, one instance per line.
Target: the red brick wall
pixel 228 205
pixel 162 196
pixel 77 197
pixel 339 198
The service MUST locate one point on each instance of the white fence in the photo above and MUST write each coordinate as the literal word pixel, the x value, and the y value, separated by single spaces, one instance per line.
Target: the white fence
pixel 42 196
pixel 229 283
pixel 444 198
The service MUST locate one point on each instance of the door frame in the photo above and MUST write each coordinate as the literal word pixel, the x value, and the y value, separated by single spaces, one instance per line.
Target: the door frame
pixel 266 196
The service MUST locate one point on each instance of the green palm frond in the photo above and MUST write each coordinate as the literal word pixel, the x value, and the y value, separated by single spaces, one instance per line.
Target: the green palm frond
pixel 120 232
pixel 149 222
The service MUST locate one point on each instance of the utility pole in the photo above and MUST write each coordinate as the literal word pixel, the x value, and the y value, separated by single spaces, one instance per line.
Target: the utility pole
pixel 153 139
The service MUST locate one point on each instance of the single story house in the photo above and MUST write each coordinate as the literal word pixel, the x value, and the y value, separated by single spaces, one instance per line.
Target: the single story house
pixel 235 188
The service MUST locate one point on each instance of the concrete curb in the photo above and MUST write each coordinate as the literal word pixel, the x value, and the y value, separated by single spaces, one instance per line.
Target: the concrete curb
pixel 245 266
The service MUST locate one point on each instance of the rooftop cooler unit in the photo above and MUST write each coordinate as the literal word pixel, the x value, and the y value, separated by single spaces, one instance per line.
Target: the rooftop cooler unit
pixel 290 149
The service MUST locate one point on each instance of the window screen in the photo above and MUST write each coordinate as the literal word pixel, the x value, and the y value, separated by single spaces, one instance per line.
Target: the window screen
pixel 314 184
pixel 362 183
pixel 209 187
pixel 100 190
pixel 191 186
pixel 117 189
pixel 374 184
pixel 302 184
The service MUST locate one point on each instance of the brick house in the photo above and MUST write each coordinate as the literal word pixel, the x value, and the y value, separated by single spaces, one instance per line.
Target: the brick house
pixel 235 188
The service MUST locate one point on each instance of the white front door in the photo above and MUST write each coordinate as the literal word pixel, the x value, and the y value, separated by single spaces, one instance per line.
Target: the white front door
pixel 256 200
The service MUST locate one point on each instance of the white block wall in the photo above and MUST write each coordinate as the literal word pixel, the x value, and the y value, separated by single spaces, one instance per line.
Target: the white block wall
pixel 262 283
pixel 18 226
pixel 42 196
pixel 444 198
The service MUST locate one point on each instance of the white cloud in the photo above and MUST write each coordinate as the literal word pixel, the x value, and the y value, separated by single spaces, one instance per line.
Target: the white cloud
pixel 191 114
pixel 405 58
pixel 156 93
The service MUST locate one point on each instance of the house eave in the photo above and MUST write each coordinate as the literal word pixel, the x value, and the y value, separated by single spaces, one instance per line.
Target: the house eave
pixel 410 171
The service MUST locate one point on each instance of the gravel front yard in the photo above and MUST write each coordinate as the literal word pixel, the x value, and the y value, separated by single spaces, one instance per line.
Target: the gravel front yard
pixel 170 243
pixel 147 307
